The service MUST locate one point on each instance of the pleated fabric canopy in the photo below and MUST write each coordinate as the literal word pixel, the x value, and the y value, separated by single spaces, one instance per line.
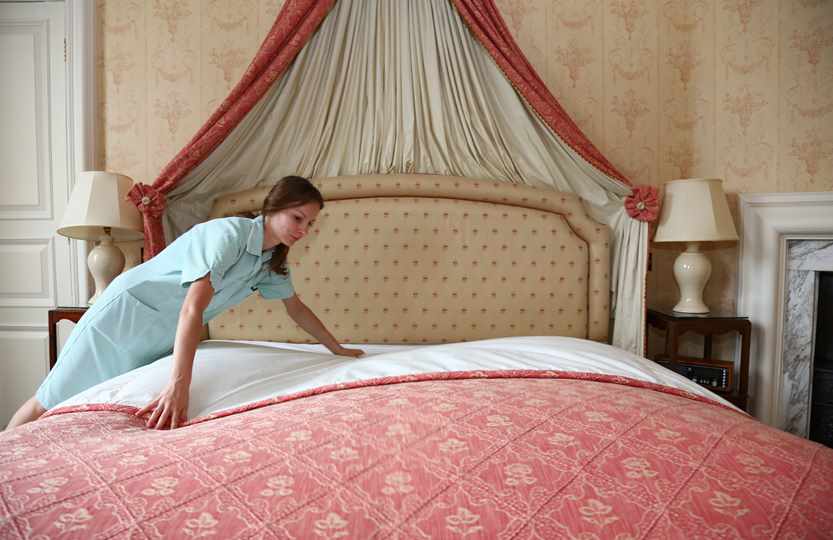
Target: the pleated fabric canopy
pixel 345 87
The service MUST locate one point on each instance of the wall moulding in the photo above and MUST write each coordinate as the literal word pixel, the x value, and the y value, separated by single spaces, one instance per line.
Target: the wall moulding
pixel 768 220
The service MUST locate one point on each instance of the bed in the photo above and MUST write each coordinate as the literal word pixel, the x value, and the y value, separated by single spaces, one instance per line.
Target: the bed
pixel 488 404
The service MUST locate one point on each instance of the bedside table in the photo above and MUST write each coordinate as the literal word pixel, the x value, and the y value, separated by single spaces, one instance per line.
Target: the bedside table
pixel 716 375
pixel 59 314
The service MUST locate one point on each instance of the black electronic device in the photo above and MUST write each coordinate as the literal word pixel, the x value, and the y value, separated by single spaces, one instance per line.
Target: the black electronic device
pixel 718 378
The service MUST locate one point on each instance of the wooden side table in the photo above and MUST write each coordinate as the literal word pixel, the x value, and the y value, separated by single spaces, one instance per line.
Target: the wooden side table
pixel 59 314
pixel 710 324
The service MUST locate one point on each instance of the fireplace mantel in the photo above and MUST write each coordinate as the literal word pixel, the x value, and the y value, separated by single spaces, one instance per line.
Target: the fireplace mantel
pixel 768 220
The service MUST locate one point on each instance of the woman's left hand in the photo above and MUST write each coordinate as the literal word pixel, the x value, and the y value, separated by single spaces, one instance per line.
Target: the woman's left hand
pixel 344 351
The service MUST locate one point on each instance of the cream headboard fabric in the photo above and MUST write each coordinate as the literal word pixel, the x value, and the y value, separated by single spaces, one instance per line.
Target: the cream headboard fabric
pixel 430 259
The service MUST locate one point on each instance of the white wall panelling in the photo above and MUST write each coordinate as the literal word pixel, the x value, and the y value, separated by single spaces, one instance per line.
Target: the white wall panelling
pixel 46 137
pixel 25 355
pixel 83 140
pixel 26 282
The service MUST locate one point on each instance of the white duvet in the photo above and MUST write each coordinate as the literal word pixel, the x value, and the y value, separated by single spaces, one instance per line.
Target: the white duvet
pixel 228 374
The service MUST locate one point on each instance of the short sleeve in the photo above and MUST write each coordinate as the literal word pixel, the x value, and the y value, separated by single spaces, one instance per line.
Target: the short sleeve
pixel 213 247
pixel 276 287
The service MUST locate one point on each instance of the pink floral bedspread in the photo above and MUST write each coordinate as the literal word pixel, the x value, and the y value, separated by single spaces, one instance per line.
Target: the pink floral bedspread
pixel 466 455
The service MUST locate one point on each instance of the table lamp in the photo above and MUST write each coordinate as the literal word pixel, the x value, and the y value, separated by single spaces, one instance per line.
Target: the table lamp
pixel 694 210
pixel 98 209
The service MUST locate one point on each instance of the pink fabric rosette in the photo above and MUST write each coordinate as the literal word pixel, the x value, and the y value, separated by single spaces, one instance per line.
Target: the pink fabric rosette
pixel 643 203
pixel 151 203
pixel 149 200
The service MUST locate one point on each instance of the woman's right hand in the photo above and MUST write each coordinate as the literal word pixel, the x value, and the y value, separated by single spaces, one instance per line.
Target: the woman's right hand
pixel 170 407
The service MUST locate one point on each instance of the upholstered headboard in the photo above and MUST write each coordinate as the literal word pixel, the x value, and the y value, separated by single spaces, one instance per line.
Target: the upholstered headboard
pixel 429 259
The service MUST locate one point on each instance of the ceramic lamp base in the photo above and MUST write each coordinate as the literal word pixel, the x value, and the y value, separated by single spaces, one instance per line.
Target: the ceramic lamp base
pixel 692 270
pixel 105 261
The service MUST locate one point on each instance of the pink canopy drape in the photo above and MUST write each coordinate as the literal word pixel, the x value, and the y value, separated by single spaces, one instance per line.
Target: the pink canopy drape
pixel 485 23
pixel 296 23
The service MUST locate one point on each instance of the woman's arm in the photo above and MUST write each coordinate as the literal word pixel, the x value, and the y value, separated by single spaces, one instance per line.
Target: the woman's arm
pixel 172 404
pixel 306 319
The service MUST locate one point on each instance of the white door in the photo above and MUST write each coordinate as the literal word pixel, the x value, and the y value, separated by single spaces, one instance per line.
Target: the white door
pixel 36 270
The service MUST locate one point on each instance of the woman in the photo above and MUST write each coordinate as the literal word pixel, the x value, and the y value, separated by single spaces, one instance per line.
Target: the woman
pixel 163 303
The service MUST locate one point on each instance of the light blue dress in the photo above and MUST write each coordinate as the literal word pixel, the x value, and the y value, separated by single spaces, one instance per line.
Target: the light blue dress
pixel 134 322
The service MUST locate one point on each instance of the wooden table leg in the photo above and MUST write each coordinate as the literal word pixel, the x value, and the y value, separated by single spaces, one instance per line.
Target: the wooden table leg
pixel 746 335
pixel 53 339
pixel 671 339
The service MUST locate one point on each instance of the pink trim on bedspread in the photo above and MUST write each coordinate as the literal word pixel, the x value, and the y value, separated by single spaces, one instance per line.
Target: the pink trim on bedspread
pixel 486 456
pixel 399 379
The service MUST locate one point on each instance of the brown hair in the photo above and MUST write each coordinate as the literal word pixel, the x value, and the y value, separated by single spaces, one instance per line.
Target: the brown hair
pixel 288 192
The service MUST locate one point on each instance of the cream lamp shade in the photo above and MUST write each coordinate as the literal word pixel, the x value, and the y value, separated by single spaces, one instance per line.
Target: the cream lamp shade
pixel 694 210
pixel 98 209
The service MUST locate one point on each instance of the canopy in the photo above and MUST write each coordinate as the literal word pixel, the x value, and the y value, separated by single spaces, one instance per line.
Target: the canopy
pixel 424 86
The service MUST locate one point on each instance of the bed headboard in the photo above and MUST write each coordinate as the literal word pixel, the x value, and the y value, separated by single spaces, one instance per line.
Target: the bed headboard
pixel 431 259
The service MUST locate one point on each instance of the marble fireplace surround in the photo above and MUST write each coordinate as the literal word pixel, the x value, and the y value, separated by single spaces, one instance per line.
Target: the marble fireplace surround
pixel 768 222
pixel 804 260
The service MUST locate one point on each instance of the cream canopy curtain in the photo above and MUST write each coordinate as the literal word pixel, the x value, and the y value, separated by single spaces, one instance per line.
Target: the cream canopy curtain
pixel 394 86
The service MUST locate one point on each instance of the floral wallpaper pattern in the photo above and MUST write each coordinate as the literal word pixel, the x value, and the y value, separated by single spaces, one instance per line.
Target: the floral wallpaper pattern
pixel 164 65
pixel 738 89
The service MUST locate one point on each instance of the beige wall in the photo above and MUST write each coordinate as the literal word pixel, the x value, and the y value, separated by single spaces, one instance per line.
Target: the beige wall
pixel 164 66
pixel 739 89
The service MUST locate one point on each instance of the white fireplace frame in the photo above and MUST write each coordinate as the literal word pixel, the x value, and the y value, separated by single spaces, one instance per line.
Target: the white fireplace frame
pixel 768 220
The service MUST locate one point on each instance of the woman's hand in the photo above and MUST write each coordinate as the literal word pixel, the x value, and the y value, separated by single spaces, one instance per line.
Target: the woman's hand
pixel 306 319
pixel 344 351
pixel 170 407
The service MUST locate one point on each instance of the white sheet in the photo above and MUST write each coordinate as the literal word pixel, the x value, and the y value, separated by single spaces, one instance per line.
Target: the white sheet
pixel 232 373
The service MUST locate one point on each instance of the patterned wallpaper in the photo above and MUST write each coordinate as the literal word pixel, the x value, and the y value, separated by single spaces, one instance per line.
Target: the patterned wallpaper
pixel 738 89
pixel 164 66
